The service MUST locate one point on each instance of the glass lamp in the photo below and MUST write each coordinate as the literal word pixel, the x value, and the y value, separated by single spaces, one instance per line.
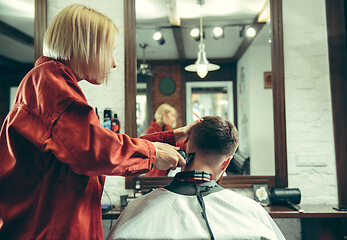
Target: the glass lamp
pixel 202 65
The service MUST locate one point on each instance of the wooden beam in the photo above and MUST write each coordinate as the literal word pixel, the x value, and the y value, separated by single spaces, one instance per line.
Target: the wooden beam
pixel 130 67
pixel 337 37
pixel 40 26
pixel 177 32
pixel 10 62
pixel 187 61
pixel 278 90
pixel 174 19
pixel 15 34
pixel 264 14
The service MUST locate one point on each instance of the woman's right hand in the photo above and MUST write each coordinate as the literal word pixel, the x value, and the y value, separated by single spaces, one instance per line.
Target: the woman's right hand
pixel 167 156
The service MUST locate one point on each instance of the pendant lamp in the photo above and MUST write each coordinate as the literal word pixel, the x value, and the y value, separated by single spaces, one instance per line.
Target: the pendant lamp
pixel 202 65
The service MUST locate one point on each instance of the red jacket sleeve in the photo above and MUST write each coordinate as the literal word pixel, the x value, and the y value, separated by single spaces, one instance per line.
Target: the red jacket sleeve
pixel 78 140
pixel 165 137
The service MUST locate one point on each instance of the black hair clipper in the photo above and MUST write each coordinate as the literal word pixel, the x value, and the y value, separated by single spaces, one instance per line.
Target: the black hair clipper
pixel 182 153
pixel 188 157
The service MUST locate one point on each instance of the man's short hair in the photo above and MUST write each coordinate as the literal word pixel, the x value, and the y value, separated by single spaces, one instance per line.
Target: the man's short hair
pixel 214 135
pixel 85 38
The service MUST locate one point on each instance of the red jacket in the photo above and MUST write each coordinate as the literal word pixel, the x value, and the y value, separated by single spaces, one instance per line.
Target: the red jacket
pixel 154 128
pixel 53 155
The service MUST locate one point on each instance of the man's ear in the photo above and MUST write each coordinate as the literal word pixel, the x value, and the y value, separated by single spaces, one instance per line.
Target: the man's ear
pixel 226 162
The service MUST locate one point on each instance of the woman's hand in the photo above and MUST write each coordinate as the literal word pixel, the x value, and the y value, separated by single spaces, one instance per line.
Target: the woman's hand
pixel 167 156
pixel 184 132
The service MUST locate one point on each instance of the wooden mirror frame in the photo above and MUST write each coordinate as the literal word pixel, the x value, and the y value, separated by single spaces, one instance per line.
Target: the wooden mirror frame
pixel 336 13
pixel 239 181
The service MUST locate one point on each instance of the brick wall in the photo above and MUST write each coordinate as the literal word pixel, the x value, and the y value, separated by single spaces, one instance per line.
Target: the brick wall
pixel 173 71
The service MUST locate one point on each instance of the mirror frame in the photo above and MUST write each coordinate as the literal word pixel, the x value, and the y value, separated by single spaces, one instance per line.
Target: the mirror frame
pixel 237 181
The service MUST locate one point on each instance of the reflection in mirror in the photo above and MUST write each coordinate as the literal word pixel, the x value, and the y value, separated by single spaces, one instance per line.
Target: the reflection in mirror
pixel 255 105
pixel 210 98
pixel 141 108
pixel 253 102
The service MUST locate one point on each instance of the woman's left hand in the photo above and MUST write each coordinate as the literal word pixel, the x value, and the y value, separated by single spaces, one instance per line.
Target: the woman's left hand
pixel 184 132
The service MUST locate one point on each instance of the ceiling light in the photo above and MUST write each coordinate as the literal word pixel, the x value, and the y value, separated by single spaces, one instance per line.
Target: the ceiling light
pixel 158 36
pixel 195 33
pixel 202 65
pixel 144 68
pixel 218 33
pixel 251 32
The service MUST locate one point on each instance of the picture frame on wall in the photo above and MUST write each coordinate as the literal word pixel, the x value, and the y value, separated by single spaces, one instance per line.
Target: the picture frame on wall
pixel 267 79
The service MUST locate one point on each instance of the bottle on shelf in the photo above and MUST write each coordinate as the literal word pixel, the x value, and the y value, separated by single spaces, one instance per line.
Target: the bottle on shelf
pixel 107 118
pixel 115 124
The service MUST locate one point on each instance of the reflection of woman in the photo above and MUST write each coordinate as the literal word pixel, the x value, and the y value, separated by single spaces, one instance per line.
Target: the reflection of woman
pixel 164 119
pixel 54 152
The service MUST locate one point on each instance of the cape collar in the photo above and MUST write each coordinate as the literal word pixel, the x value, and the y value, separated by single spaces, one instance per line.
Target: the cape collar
pixel 194 176
pixel 191 182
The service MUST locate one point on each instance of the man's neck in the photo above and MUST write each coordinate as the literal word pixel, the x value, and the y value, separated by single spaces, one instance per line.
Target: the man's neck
pixel 196 165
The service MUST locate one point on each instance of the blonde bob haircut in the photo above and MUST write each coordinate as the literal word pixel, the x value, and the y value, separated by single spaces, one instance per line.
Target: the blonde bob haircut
pixel 164 108
pixel 83 37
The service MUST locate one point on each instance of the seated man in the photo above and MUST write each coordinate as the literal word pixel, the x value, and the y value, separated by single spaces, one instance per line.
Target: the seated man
pixel 193 205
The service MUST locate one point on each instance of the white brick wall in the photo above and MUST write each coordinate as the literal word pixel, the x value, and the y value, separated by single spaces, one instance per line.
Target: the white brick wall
pixel 308 101
pixel 112 94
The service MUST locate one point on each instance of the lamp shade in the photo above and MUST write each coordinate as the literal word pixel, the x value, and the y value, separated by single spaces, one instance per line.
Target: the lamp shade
pixel 202 65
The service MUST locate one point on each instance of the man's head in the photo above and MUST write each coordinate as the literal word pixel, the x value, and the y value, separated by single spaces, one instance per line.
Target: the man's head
pixel 214 141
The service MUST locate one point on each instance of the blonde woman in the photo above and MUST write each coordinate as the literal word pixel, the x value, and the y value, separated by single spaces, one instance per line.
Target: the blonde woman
pixel 164 119
pixel 54 153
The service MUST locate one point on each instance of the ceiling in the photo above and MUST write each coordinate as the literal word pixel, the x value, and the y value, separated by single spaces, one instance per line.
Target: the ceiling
pixel 153 14
pixel 17 28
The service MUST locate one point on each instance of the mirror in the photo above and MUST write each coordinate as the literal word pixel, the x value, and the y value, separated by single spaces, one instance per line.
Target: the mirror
pixel 279 177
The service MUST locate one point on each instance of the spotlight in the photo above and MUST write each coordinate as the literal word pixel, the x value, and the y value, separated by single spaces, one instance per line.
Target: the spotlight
pixel 218 33
pixel 251 32
pixel 195 33
pixel 158 36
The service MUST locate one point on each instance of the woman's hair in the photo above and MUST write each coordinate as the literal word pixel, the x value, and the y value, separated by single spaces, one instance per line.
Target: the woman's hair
pixel 85 38
pixel 214 135
pixel 164 108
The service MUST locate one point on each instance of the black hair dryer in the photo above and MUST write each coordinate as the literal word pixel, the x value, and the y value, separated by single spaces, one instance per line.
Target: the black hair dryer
pixel 286 196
